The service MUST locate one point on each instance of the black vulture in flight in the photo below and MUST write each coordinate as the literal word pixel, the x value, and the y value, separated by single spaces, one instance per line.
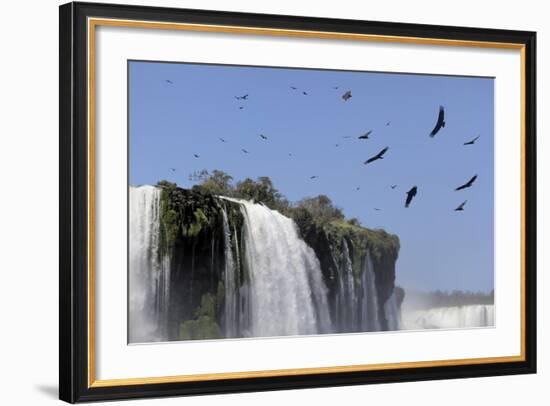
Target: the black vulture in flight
pixel 388 123
pixel 472 142
pixel 245 151
pixel 241 107
pixel 461 206
pixel 293 88
pixel 336 145
pixel 467 184
pixel 410 194
pixel 440 122
pixel 169 81
pixel 346 96
pixel 173 169
pixel 314 177
pixel 377 209
pixel 378 156
pixel 393 186
pixel 244 97
pixel 222 140
pixel 304 93
pixel 357 188
pixel 290 154
pixel 365 136
pixel 263 137
pixel 196 155
pixel 335 87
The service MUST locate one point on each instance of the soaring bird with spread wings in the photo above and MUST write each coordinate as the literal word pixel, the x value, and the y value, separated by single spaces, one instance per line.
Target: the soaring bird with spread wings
pixel 378 156
pixel 461 206
pixel 440 122
pixel 346 96
pixel 472 142
pixel 365 136
pixel 467 184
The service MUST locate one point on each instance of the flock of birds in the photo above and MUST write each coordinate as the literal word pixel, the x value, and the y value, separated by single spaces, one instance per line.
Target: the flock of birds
pixel 440 123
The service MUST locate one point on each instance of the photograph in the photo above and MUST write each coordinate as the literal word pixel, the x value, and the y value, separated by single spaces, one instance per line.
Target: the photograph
pixel 270 201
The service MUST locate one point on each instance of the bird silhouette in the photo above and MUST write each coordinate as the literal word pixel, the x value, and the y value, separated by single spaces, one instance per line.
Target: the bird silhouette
pixel 304 93
pixel 222 140
pixel 245 151
pixel 388 123
pixel 169 81
pixel 196 155
pixel 336 145
pixel 244 97
pixel 440 122
pixel 173 169
pixel 290 154
pixel 393 186
pixel 467 184
pixel 376 157
pixel 346 96
pixel 461 206
pixel 241 107
pixel 472 142
pixel 365 136
pixel 335 87
pixel 263 137
pixel 293 88
pixel 410 195
pixel 357 188
pixel 314 177
pixel 377 209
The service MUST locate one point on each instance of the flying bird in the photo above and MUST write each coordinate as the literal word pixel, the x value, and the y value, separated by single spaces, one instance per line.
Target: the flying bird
pixel 244 97
pixel 472 142
pixel 461 206
pixel 245 151
pixel 365 136
pixel 357 188
pixel 222 140
pixel 289 154
pixel 314 177
pixel 304 93
pixel 346 96
pixel 440 122
pixel 241 107
pixel 388 123
pixel 169 81
pixel 377 209
pixel 378 156
pixel 393 186
pixel 467 184
pixel 336 145
pixel 173 169
pixel 410 195
pixel 347 136
pixel 196 156
pixel 335 87
pixel 293 88
pixel 263 137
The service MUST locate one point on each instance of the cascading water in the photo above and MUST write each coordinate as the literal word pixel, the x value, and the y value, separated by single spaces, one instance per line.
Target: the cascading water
pixel 369 296
pixel 451 317
pixel 286 292
pixel 392 312
pixel 149 276
pixel 346 303
pixel 231 283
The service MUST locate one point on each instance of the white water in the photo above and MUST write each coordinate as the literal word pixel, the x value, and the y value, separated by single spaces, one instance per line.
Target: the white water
pixel 285 293
pixel 149 275
pixel 392 312
pixel 450 317
pixel 230 283
pixel 369 297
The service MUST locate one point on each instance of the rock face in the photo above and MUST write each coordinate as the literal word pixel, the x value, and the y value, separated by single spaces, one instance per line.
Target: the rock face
pixel 219 279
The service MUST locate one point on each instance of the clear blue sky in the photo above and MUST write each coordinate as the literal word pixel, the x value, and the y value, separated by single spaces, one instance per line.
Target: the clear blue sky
pixel 440 248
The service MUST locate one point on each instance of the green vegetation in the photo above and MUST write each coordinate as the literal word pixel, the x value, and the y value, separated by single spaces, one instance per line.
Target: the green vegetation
pixel 204 326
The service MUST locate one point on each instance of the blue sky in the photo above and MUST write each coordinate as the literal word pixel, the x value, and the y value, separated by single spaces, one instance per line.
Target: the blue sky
pixel 440 248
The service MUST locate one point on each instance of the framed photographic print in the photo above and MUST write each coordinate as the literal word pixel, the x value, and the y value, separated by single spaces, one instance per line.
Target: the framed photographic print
pixel 257 202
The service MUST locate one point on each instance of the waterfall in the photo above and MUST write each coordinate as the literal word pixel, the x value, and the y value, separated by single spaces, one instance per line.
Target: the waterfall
pixel 369 296
pixel 285 290
pixel 230 283
pixel 451 317
pixel 392 312
pixel 149 275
